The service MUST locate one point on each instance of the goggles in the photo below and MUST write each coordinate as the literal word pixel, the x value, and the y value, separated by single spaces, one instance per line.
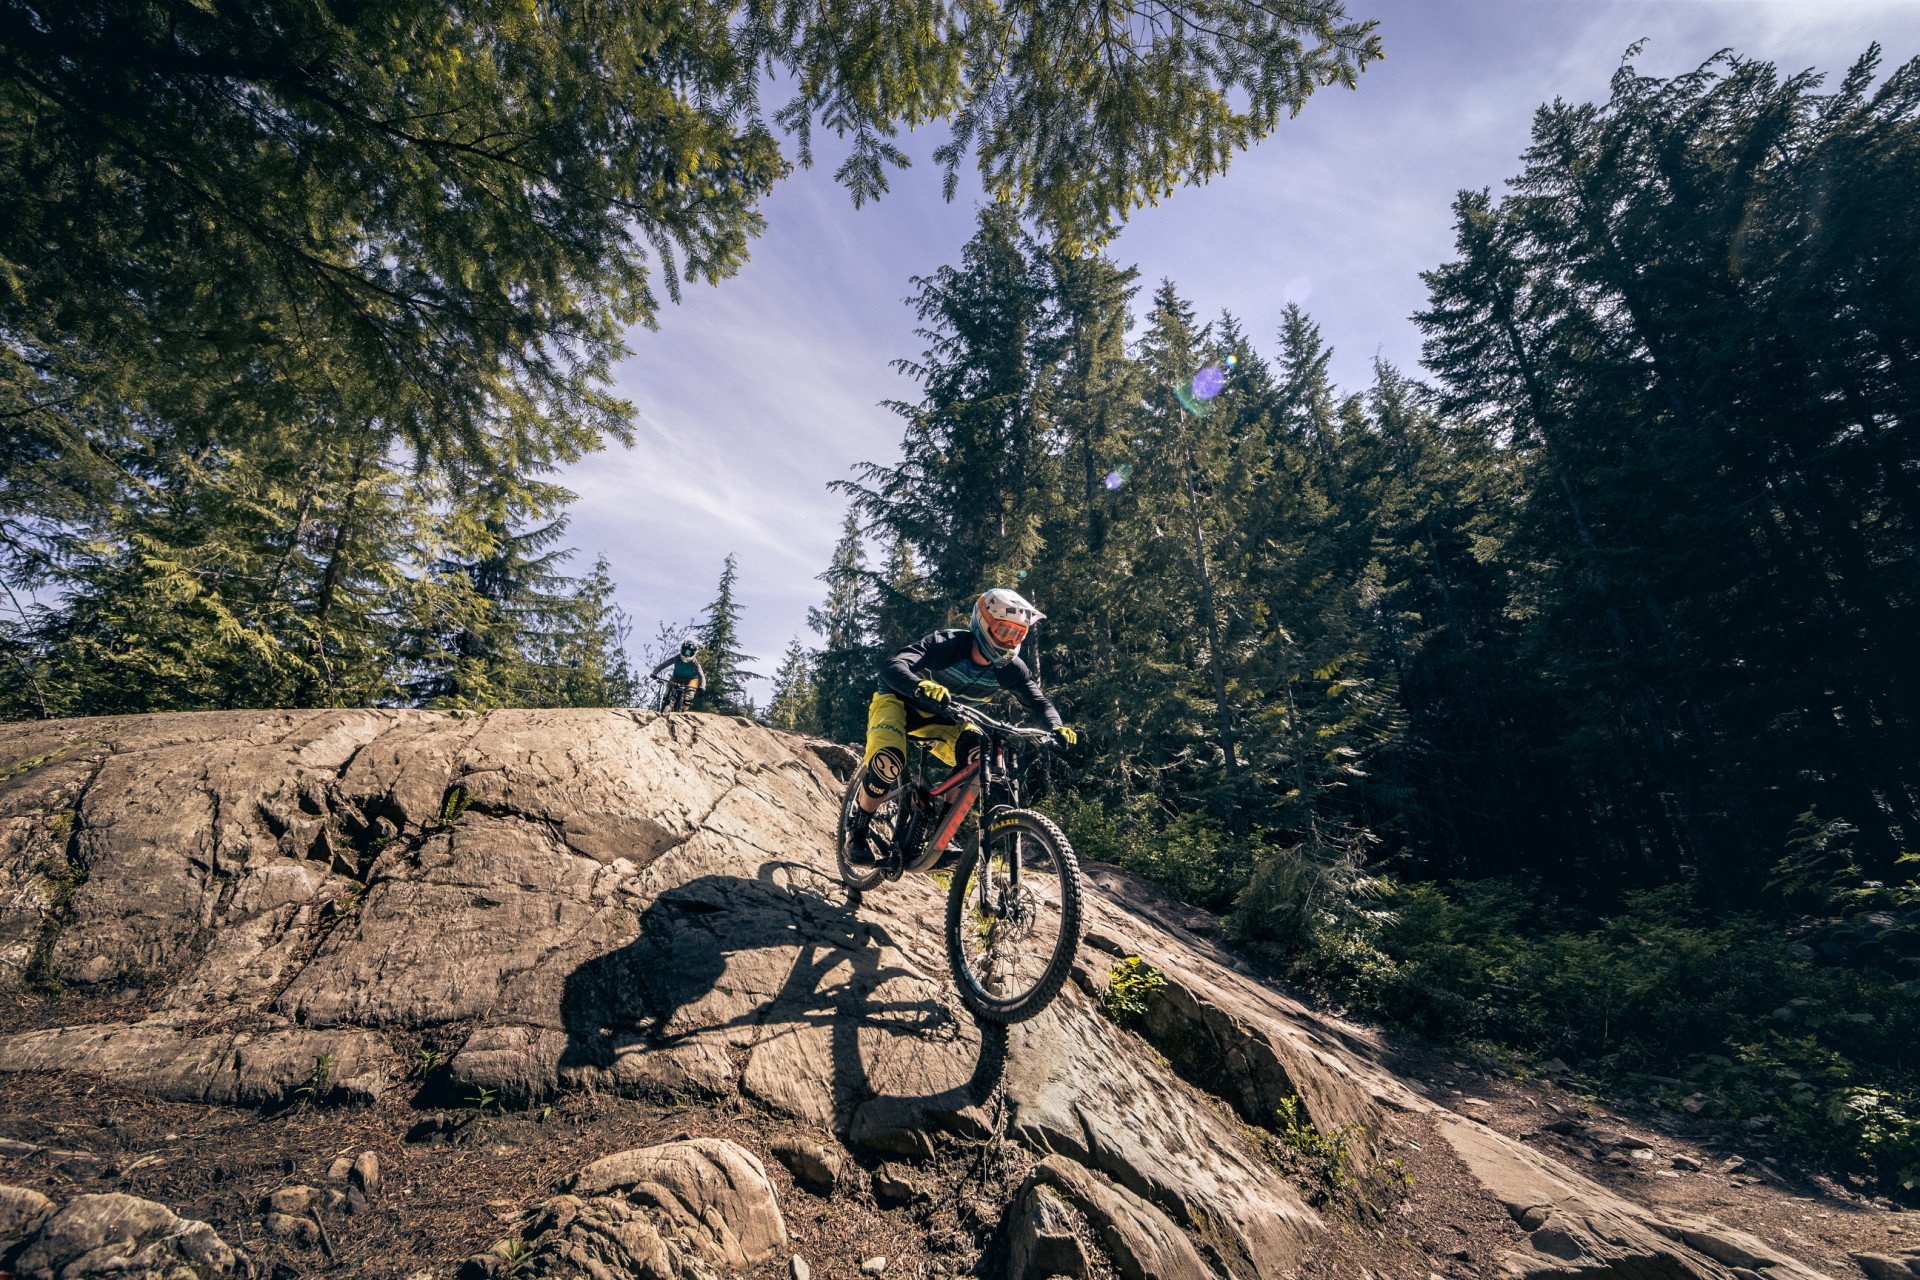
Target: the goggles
pixel 1006 632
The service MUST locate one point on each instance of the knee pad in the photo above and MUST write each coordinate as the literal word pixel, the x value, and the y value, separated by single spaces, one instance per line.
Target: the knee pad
pixel 883 772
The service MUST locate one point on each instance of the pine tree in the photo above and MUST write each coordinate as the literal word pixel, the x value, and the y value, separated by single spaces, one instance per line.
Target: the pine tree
pixel 795 702
pixel 495 587
pixel 1177 593
pixel 844 666
pixel 720 654
pixel 905 608
pixel 581 661
pixel 975 470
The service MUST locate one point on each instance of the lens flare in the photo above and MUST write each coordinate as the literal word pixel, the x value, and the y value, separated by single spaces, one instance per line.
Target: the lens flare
pixel 1115 479
pixel 1198 408
pixel 1209 382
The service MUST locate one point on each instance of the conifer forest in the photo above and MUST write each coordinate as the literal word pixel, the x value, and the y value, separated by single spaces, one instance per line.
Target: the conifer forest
pixel 1557 697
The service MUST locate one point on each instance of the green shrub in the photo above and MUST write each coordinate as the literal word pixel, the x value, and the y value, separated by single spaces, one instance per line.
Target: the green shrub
pixel 453 804
pixel 1190 855
pixel 1326 1156
pixel 1805 1016
pixel 319 1082
pixel 1131 984
pixel 1883 1130
pixel 1657 989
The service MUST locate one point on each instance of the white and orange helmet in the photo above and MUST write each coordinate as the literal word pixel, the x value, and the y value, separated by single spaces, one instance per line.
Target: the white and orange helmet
pixel 1000 621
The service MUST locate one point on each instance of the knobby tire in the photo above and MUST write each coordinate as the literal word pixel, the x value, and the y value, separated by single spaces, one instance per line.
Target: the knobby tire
pixel 1018 1008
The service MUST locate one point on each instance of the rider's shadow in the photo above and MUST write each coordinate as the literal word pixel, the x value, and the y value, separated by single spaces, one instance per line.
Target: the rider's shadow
pixel 778 985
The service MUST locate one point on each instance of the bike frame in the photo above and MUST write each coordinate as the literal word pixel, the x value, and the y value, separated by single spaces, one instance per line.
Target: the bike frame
pixel 959 793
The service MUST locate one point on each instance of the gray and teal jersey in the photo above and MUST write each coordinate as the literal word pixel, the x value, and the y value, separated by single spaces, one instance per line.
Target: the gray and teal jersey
pixel 685 670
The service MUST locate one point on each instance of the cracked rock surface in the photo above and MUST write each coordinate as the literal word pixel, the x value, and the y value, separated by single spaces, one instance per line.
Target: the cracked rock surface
pixel 642 904
pixel 105 1235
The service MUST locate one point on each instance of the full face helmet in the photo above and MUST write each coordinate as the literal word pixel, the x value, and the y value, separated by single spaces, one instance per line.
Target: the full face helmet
pixel 1000 621
pixel 687 648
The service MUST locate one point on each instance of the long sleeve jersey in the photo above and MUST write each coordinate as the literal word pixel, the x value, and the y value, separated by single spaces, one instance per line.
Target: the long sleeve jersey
pixel 947 656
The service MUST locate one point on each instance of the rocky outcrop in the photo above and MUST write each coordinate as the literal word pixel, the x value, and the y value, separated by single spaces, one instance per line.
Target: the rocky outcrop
pixel 1142 1241
pixel 1904 1265
pixel 105 1235
pixel 643 904
pixel 687 1210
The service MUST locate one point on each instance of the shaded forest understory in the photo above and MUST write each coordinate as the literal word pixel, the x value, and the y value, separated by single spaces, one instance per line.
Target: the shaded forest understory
pixel 1560 699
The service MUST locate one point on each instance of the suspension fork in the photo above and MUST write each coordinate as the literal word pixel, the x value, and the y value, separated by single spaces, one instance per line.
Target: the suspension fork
pixel 989 752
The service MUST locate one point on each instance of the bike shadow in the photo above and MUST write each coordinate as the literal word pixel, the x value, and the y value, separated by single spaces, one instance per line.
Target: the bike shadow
pixel 777 986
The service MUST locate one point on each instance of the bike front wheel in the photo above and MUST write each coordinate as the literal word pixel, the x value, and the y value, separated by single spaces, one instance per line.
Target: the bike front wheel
pixel 1011 938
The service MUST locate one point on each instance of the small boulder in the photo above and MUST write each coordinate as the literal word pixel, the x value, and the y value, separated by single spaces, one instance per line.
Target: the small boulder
pixel 340 1169
pixel 363 1182
pixel 301 1200
pixel 22 1210
pixel 1890 1266
pixel 297 1229
pixel 894 1186
pixel 122 1236
pixel 1687 1163
pixel 1041 1239
pixel 813 1165
pixel 798 1269
pixel 1142 1241
pixel 892 1127
pixel 682 1209
pixel 1618 1140
pixel 873 1266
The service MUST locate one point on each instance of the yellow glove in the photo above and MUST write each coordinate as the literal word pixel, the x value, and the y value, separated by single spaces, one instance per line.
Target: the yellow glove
pixel 1068 736
pixel 934 691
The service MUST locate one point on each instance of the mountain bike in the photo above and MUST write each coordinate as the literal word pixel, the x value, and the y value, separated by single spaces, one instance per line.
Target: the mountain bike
pixel 674 696
pixel 1013 904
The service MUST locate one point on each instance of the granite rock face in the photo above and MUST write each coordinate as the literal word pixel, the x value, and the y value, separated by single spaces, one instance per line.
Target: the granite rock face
pixel 114 1235
pixel 646 904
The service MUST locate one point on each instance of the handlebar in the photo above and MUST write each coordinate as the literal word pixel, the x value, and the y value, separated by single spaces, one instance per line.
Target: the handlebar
pixel 981 720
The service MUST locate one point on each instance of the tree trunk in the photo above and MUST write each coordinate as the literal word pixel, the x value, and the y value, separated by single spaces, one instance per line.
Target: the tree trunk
pixel 1222 712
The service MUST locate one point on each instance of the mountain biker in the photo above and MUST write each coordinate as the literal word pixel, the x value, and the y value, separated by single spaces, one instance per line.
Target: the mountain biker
pixel 688 675
pixel 919 682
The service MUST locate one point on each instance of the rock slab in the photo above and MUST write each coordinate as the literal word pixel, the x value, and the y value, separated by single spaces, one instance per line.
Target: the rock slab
pixel 114 1235
pixel 686 1210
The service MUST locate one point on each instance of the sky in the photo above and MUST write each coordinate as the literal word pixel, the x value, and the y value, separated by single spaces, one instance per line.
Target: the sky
pixel 755 394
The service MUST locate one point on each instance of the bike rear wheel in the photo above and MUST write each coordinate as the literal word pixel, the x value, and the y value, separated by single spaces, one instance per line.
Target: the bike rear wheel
pixel 882 829
pixel 1011 947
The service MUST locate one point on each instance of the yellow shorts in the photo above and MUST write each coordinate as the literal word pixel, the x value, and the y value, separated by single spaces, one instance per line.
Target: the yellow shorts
pixel 888 718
